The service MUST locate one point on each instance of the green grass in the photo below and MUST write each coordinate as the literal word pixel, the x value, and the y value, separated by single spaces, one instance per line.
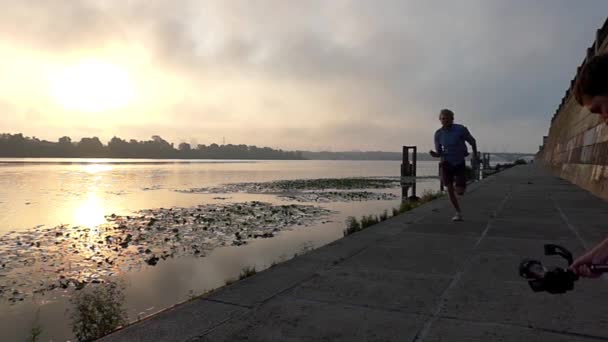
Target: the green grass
pixel 353 225
pixel 247 272
pixel 36 329
pixel 35 332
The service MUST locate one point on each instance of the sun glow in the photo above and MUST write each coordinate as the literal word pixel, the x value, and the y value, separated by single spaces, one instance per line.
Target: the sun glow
pixel 93 86
pixel 95 168
pixel 89 213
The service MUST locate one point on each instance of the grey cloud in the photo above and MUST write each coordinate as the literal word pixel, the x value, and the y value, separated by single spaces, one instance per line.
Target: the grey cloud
pixel 56 25
pixel 391 64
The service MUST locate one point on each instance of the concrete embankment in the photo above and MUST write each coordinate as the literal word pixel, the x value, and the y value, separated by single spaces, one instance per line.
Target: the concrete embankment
pixel 576 147
pixel 418 277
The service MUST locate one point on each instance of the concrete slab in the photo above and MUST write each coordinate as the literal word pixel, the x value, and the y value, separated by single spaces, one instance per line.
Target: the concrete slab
pixel 447 227
pixel 400 259
pixel 269 283
pixel 526 230
pixel 592 233
pixel 584 219
pixel 511 217
pixel 521 247
pixel 288 319
pixel 584 204
pixel 453 330
pixel 344 248
pixel 480 297
pixel 182 322
pixel 505 267
pixel 380 289
pixel 419 243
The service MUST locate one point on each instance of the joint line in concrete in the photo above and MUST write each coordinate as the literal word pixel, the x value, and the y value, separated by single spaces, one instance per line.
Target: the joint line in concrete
pixel 526 326
pixel 570 226
pixel 575 231
pixel 227 303
pixel 208 331
pixel 421 335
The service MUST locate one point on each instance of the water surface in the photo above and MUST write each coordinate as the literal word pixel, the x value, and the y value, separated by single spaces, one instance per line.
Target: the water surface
pixel 81 192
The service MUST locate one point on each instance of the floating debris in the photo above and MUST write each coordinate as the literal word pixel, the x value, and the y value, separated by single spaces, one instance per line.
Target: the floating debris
pixel 286 186
pixel 339 196
pixel 118 192
pixel 152 261
pixel 153 187
pixel 70 257
pixel 311 190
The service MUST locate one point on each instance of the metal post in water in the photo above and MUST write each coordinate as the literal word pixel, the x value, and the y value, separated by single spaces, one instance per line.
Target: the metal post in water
pixel 408 173
pixel 404 173
pixel 414 168
pixel 405 162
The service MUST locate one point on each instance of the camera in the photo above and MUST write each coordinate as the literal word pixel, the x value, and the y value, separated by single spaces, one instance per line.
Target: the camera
pixel 554 280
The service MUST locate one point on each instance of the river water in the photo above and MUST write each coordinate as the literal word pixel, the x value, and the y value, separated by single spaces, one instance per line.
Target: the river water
pixel 36 194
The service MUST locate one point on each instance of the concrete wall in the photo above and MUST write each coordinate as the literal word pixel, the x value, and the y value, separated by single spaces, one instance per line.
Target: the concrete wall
pixel 576 148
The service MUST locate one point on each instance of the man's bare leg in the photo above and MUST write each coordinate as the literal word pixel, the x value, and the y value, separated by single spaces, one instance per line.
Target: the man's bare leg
pixel 454 200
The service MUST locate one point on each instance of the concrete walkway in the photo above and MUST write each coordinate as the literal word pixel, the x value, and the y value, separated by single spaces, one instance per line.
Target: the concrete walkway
pixel 419 277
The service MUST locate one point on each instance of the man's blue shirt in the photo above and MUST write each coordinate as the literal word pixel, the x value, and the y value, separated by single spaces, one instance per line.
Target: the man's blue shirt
pixel 450 143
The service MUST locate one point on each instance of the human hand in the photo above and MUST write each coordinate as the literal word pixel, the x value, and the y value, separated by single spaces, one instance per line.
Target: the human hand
pixel 434 154
pixel 597 255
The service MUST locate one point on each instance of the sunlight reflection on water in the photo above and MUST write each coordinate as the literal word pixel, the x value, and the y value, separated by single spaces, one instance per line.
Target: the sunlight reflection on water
pixel 89 213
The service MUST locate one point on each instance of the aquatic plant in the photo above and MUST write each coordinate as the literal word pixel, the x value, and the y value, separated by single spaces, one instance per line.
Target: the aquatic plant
pixel 98 311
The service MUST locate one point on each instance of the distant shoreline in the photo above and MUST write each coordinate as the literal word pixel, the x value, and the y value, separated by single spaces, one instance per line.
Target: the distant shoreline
pixel 20 146
pixel 329 156
pixel 111 160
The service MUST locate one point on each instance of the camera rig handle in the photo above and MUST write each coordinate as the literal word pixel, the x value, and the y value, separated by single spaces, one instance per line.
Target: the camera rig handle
pixel 599 268
pixel 551 249
pixel 553 279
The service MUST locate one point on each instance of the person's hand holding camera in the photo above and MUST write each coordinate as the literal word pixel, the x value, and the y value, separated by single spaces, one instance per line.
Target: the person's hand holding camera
pixel 597 255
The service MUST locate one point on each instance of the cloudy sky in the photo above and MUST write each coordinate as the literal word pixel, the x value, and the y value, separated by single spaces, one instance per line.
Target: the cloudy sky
pixel 291 74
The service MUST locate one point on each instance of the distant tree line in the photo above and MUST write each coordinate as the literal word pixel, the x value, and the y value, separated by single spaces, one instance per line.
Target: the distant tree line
pixel 19 146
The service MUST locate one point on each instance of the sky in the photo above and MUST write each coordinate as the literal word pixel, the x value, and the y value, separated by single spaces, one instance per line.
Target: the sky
pixel 314 75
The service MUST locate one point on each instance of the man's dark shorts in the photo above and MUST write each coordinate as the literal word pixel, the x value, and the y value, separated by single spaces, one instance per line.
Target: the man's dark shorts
pixel 454 174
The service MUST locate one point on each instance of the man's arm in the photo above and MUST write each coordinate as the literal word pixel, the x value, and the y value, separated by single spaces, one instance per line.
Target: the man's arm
pixel 438 148
pixel 469 138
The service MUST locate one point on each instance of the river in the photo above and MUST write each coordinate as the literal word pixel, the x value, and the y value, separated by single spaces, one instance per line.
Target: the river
pixel 40 195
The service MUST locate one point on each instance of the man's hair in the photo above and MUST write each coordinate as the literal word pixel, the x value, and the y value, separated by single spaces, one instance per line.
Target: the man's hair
pixel 592 79
pixel 446 112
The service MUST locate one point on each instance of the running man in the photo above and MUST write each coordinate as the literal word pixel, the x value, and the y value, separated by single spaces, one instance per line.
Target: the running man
pixel 451 148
